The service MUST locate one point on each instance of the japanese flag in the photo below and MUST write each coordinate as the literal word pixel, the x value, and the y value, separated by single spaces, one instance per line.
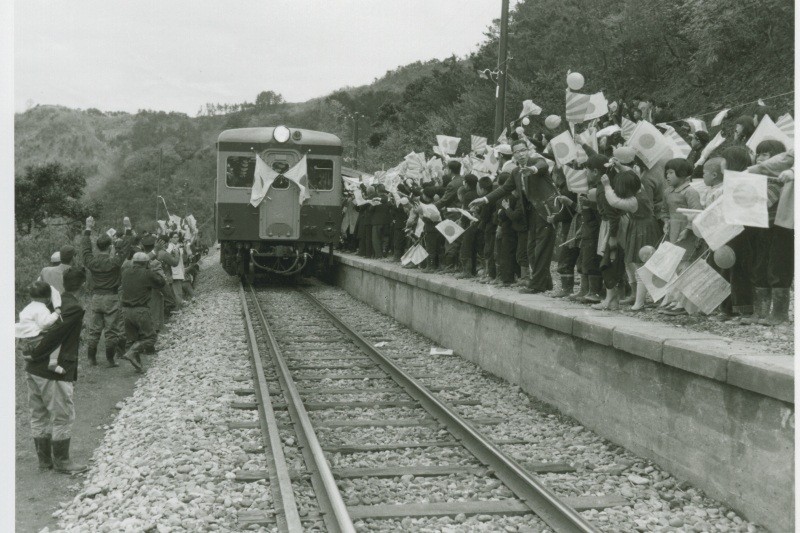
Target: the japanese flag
pixel 627 128
pixel 786 125
pixel 767 130
pixel 679 147
pixel 564 148
pixel 648 143
pixel 450 230
pixel 449 145
pixel 696 124
pixel 712 145
pixel 577 180
pixel 478 144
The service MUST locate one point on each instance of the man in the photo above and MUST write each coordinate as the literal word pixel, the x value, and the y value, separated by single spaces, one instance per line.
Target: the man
pixel 167 260
pixel 538 195
pixel 50 394
pixel 105 271
pixel 138 281
pixel 151 247
pixel 450 199
pixel 54 274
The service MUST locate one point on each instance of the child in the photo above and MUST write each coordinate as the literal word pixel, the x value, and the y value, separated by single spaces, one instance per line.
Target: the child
pixel 680 194
pixel 34 319
pixel 609 244
pixel 629 196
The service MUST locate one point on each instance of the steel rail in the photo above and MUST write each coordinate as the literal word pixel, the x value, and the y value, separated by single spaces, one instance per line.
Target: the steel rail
pixel 335 514
pixel 541 500
pixel 289 516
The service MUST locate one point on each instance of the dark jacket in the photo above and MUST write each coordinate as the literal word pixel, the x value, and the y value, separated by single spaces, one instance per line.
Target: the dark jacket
pixel 537 182
pixel 381 214
pixel 450 197
pixel 137 282
pixel 67 334
pixel 104 268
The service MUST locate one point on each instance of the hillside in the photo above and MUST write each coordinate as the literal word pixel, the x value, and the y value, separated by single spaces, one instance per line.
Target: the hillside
pixel 694 56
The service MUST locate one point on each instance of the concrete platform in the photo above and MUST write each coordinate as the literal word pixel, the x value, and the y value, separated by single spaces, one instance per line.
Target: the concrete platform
pixel 716 412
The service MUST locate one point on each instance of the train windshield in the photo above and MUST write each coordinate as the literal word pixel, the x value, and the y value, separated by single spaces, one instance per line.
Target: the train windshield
pixel 320 174
pixel 239 171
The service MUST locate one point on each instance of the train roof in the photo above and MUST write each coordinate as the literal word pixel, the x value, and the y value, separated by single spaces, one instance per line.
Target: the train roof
pixel 264 135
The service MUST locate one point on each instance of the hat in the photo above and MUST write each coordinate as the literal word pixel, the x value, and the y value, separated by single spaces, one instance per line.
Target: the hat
pixel 140 257
pixel 148 240
pixel 624 154
pixel 67 253
pixel 74 277
pixel 56 257
pixel 504 149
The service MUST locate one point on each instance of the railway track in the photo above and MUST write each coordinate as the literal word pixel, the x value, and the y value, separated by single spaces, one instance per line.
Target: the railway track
pixel 316 381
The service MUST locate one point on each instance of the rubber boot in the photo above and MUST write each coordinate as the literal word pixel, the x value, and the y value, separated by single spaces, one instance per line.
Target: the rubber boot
pixel 61 461
pixel 92 353
pixel 110 352
pixel 780 307
pixel 567 286
pixel 611 301
pixel 583 291
pixel 43 452
pixel 762 297
pixel 525 273
pixel 595 286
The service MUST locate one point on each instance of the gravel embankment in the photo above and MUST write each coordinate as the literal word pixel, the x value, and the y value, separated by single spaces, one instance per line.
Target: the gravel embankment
pixel 658 501
pixel 167 462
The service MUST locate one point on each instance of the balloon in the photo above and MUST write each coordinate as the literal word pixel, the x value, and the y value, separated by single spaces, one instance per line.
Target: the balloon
pixel 526 121
pixel 552 122
pixel 520 130
pixel 725 257
pixel 645 253
pixel 575 81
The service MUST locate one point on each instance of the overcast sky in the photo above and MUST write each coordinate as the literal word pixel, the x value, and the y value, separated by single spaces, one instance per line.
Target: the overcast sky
pixel 178 55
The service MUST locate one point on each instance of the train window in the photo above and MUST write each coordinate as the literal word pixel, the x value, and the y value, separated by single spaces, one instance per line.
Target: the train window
pixel 320 174
pixel 240 170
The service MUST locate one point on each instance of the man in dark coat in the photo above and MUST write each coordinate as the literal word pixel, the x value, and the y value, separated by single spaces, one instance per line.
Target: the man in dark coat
pixel 50 394
pixel 537 194
pixel 138 282
pixel 450 199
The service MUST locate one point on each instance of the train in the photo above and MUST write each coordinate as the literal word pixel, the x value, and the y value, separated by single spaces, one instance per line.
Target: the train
pixel 280 236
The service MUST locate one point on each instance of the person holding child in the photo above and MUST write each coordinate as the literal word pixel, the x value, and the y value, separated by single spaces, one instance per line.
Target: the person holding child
pixel 50 393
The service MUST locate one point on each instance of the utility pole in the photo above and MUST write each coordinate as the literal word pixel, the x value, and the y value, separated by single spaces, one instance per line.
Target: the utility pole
pixel 158 183
pixel 355 150
pixel 502 67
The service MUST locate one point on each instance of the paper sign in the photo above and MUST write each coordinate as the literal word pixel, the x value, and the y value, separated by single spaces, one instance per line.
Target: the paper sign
pixel 450 230
pixel 719 118
pixel 111 232
pixel 712 145
pixel 696 124
pixel 656 287
pixel 703 286
pixel 358 197
pixel 710 225
pixel 441 351
pixel 162 224
pixel 664 262
pixel 744 199
pixel 608 130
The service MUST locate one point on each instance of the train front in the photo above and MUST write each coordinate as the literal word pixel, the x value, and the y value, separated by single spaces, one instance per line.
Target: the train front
pixel 278 198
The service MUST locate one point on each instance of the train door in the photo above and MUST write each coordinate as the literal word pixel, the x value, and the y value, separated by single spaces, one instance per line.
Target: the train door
pixel 279 213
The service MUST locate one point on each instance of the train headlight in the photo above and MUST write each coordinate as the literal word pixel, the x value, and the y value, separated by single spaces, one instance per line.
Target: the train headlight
pixel 281 134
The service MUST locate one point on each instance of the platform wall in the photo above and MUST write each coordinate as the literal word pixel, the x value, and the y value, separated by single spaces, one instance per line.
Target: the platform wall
pixel 710 411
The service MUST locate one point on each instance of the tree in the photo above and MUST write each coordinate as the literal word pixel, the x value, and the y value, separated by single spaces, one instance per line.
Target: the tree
pixel 46 191
pixel 268 99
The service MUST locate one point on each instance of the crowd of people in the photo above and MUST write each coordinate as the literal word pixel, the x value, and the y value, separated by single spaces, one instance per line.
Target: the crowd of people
pixel 133 282
pixel 519 212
